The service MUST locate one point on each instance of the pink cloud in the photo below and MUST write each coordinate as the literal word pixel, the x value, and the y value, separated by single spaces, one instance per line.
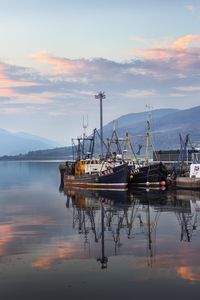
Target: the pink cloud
pixel 180 56
pixel 60 65
pixel 7 82
pixel 156 54
pixel 8 85
pixel 184 41
pixel 182 46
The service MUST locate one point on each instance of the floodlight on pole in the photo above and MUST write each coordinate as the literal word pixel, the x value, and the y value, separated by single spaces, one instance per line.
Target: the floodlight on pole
pixel 101 96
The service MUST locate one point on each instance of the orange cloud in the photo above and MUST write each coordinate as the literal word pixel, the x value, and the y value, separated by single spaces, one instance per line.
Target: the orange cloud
pixel 60 65
pixel 158 54
pixel 7 82
pixel 177 57
pixel 181 47
pixel 8 85
pixel 188 274
pixel 8 89
pixel 184 41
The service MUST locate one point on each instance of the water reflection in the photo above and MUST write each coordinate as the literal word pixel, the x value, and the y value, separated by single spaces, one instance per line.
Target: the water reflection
pixel 19 174
pixel 148 225
pixel 72 243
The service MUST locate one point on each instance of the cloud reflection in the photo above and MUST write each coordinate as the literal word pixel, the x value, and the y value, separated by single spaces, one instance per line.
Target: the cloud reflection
pixel 183 264
pixel 25 228
pixel 188 274
pixel 60 251
pixel 6 237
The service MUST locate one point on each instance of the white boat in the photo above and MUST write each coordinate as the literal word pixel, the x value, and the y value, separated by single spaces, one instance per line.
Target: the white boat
pixel 191 182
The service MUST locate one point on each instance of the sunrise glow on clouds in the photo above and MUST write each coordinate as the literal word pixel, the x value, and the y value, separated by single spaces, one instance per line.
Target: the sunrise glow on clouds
pixel 156 64
pixel 10 92
pixel 60 65
pixel 7 84
pixel 183 53
pixel 81 78
pixel 53 67
pixel 180 56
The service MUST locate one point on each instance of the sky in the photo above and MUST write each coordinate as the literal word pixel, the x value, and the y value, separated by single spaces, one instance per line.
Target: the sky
pixel 55 55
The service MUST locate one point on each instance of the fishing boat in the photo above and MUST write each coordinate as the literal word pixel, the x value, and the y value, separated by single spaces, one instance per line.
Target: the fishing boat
pixel 92 170
pixel 187 174
pixel 154 174
pixel 149 173
pixel 96 174
pixel 140 172
pixel 192 181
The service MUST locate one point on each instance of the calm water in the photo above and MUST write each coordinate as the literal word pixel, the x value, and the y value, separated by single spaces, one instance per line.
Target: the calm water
pixel 94 245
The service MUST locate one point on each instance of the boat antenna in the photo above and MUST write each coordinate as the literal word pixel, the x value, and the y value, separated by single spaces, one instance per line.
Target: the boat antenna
pixel 101 96
pixel 115 125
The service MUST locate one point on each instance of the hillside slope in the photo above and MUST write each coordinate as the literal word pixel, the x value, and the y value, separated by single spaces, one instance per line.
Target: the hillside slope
pixel 166 125
pixel 15 143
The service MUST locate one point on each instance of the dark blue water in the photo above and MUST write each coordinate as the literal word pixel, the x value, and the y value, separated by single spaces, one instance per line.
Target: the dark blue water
pixel 70 244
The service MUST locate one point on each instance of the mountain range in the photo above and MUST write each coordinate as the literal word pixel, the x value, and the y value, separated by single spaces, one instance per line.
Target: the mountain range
pixel 21 142
pixel 166 126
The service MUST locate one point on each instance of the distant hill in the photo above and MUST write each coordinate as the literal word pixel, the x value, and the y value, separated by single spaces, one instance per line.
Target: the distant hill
pixel 133 119
pixel 166 125
pixel 61 153
pixel 21 142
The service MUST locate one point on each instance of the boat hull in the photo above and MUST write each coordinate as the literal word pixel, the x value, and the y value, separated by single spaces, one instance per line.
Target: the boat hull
pixel 188 183
pixel 151 175
pixel 115 178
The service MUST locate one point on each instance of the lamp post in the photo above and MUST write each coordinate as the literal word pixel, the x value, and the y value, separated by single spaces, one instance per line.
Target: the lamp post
pixel 101 96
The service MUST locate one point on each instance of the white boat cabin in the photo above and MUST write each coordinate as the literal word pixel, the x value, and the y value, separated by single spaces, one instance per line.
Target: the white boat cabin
pixel 94 166
pixel 195 171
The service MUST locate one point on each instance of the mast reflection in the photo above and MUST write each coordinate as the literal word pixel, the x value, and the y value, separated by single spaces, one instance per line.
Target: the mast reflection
pixel 117 220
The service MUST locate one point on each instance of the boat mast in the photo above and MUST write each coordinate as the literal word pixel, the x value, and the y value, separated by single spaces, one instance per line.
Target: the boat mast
pixel 101 96
pixel 147 143
pixel 85 125
pixel 148 128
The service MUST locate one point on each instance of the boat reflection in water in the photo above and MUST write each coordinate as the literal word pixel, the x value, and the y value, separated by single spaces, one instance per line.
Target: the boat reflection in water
pixel 126 222
pixel 95 213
